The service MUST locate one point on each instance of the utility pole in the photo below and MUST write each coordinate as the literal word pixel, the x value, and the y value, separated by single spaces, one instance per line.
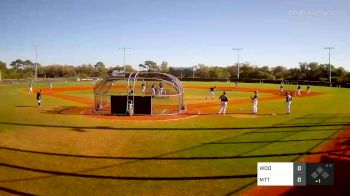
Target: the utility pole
pixel 238 49
pixel 36 61
pixel 124 49
pixel 329 63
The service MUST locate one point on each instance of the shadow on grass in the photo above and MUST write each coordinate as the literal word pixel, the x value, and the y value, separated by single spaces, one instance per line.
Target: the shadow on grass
pixel 26 106
pixel 158 157
pixel 15 192
pixel 171 158
pixel 281 141
pixel 125 177
pixel 67 110
pixel 80 128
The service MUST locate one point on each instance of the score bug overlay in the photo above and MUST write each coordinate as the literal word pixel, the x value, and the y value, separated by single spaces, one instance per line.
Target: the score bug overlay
pixel 294 174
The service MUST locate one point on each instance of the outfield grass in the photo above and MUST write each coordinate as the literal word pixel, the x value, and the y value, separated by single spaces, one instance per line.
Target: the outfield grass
pixel 204 146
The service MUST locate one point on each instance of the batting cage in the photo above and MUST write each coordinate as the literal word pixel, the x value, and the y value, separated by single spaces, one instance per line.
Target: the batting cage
pixel 139 93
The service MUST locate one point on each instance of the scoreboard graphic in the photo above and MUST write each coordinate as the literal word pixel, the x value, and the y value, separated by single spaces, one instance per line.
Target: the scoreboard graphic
pixel 294 174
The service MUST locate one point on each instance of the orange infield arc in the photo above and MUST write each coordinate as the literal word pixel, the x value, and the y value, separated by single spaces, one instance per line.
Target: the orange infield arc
pixel 193 110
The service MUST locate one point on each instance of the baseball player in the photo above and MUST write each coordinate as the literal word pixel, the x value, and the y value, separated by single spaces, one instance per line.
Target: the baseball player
pixel 130 111
pixel 281 88
pixel 160 85
pixel 131 92
pixel 298 89
pixel 212 92
pixel 255 102
pixel 308 89
pixel 153 89
pixel 50 84
pixel 143 86
pixel 224 101
pixel 236 83
pixel 30 88
pixel 38 97
pixel 289 99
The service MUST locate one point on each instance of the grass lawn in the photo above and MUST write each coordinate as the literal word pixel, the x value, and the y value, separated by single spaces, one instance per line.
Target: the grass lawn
pixel 55 154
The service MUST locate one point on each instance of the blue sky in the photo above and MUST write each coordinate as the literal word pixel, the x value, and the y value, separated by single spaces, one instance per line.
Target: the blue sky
pixel 182 32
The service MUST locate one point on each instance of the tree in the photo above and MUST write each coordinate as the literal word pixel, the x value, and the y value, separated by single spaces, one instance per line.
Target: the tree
pixel 28 64
pixel 23 69
pixel 99 65
pixel 143 67
pixel 128 68
pixel 85 70
pixel 100 69
pixel 202 71
pixel 2 66
pixel 348 77
pixel 247 71
pixel 17 64
pixel 340 74
pixel 2 69
pixel 280 72
pixel 218 72
pixel 313 71
pixel 164 67
pixel 151 66
pixel 232 70
pixel 303 71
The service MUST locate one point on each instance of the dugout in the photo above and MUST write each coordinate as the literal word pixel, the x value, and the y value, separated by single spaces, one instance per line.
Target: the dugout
pixel 132 94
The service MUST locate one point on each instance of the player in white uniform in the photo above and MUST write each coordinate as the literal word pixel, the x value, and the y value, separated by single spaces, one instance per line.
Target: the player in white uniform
pixel 289 99
pixel 281 88
pixel 30 88
pixel 153 90
pixel 143 86
pixel 298 90
pixel 224 101
pixel 212 92
pixel 255 102
pixel 161 88
pixel 308 89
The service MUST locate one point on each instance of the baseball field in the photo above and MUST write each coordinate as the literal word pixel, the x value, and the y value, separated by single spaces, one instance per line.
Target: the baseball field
pixel 62 148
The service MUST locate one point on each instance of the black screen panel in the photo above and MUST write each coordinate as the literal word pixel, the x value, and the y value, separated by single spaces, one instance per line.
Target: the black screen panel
pixel 118 105
pixel 143 105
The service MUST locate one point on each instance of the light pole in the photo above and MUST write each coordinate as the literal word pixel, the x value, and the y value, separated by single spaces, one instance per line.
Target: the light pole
pixel 193 68
pixel 124 49
pixel 238 49
pixel 36 60
pixel 329 63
